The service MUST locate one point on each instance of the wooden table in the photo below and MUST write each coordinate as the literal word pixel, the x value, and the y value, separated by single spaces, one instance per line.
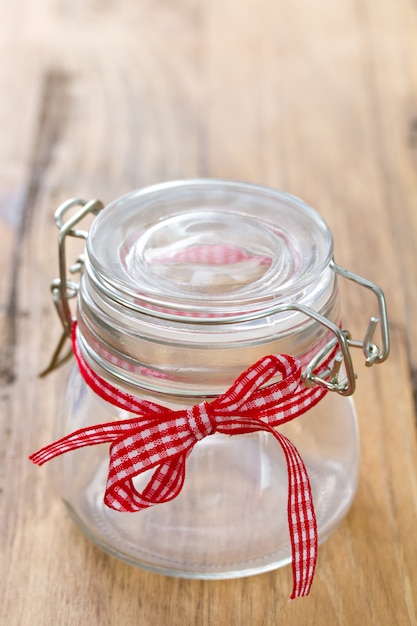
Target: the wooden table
pixel 315 98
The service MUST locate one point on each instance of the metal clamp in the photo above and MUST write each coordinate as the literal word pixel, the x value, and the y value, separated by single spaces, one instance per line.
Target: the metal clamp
pixel 372 352
pixel 63 288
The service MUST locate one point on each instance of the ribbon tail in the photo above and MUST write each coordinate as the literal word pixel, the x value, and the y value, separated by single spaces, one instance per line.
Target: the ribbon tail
pixel 300 509
pixel 89 436
pixel 301 520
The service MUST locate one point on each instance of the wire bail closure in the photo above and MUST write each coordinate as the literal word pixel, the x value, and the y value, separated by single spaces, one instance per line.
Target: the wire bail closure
pixel 65 288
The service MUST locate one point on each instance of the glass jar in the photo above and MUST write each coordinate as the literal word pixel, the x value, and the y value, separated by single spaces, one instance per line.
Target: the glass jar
pixel 184 286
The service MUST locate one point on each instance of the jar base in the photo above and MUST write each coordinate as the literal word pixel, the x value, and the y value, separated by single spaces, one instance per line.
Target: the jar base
pixel 140 560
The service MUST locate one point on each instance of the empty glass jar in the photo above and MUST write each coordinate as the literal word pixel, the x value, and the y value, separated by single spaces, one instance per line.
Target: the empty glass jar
pixel 184 286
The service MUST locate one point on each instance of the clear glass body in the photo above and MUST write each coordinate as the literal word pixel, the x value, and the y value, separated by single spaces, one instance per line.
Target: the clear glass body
pixel 185 286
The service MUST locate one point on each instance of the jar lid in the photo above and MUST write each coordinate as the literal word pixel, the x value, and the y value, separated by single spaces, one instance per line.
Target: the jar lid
pixel 207 249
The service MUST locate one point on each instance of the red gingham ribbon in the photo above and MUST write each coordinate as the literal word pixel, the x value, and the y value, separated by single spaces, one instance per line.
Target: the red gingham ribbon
pixel 162 438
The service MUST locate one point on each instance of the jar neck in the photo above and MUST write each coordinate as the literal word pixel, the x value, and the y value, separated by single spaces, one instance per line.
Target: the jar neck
pixel 187 357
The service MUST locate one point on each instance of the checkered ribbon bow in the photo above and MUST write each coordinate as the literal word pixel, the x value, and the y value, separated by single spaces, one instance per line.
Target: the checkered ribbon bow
pixel 161 438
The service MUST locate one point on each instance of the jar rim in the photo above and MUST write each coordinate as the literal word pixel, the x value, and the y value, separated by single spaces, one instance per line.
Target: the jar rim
pixel 207 249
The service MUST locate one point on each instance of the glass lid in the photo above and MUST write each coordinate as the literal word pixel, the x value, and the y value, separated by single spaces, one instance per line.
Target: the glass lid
pixel 207 248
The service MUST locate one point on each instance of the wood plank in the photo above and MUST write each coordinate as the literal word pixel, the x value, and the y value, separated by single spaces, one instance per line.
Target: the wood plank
pixel 314 98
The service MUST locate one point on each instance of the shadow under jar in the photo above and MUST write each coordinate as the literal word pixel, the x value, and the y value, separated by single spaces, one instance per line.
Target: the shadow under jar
pixel 184 286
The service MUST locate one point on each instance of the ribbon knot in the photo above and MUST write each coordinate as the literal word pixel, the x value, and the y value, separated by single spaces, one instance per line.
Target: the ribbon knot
pixel 161 439
pixel 201 420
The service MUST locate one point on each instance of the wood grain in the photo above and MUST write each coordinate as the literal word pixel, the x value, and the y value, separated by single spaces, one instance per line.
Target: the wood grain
pixel 318 99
